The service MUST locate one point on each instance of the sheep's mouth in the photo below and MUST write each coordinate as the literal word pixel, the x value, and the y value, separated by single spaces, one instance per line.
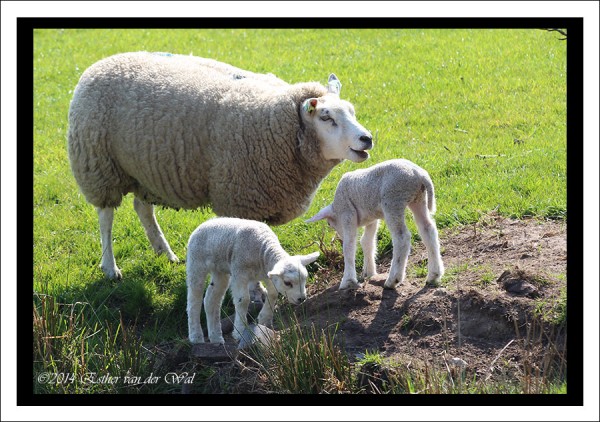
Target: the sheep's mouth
pixel 363 155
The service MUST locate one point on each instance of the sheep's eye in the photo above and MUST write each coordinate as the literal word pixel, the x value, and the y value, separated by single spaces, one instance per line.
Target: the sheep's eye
pixel 287 283
pixel 327 118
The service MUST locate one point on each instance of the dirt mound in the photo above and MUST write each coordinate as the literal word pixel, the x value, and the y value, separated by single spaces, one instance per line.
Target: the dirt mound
pixel 503 278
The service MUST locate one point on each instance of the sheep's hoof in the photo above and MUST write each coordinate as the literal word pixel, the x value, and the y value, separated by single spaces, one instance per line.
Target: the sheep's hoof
pixel 112 273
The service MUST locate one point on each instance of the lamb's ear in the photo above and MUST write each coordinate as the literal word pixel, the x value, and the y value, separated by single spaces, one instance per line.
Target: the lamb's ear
pixel 334 86
pixel 274 274
pixel 326 212
pixel 310 105
pixel 308 259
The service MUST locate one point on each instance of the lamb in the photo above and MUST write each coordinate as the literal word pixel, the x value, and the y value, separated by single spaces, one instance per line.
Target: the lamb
pixel 239 253
pixel 365 196
pixel 187 132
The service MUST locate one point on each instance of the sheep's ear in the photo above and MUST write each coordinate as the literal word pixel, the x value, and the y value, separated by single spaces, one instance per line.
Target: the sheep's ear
pixel 310 105
pixel 334 86
pixel 308 259
pixel 326 212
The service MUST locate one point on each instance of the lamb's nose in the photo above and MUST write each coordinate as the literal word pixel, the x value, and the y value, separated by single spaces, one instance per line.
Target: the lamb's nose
pixel 302 299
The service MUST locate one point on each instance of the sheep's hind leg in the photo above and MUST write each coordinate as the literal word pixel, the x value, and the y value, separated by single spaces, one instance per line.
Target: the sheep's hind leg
pixel 108 264
pixel 429 234
pixel 401 244
pixel 369 244
pixel 157 239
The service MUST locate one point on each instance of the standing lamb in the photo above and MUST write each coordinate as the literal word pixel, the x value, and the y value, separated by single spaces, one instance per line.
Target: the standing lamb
pixel 364 196
pixel 186 132
pixel 239 253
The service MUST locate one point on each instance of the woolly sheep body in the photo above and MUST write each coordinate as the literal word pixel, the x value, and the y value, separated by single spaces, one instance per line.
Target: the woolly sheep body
pixel 239 253
pixel 384 191
pixel 187 132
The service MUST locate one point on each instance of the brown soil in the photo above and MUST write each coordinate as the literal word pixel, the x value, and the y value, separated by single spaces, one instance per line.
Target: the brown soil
pixel 501 276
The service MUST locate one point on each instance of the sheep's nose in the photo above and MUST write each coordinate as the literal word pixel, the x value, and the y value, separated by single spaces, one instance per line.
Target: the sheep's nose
pixel 302 299
pixel 367 139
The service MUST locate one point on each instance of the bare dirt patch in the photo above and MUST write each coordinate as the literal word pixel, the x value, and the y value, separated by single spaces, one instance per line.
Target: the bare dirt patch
pixel 502 276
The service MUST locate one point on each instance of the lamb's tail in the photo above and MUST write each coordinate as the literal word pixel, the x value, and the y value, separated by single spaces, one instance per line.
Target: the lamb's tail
pixel 430 195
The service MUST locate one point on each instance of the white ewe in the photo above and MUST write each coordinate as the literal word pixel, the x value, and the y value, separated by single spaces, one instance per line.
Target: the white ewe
pixel 239 253
pixel 384 191
pixel 186 132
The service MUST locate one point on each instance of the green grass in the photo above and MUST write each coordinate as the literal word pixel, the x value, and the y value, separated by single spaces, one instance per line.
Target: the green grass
pixel 484 111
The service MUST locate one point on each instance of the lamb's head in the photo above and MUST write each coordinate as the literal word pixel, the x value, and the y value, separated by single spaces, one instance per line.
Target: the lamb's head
pixel 289 276
pixel 340 134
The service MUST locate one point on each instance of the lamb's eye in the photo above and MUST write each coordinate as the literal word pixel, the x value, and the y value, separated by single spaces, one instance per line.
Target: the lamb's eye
pixel 287 283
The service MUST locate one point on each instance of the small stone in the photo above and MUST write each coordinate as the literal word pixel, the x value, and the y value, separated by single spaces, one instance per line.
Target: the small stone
pixel 214 352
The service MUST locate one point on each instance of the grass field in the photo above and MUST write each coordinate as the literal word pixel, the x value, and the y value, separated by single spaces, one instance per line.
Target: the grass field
pixel 484 111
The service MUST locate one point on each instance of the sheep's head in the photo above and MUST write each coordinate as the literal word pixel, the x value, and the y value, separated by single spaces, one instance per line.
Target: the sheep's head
pixel 335 124
pixel 289 276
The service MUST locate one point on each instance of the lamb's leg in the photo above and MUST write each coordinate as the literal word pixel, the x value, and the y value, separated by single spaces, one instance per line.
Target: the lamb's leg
pixel 401 244
pixel 349 280
pixel 429 234
pixel 241 300
pixel 265 316
pixel 368 242
pixel 108 264
pixel 212 303
pixel 196 278
pixel 157 239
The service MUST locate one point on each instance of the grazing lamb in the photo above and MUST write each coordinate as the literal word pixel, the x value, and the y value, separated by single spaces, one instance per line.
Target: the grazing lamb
pixel 239 253
pixel 384 191
pixel 186 132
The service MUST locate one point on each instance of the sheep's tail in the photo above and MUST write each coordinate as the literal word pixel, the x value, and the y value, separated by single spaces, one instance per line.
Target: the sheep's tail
pixel 430 195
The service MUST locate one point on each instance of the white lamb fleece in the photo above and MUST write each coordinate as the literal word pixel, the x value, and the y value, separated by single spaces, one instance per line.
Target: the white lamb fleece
pixel 186 132
pixel 239 253
pixel 365 196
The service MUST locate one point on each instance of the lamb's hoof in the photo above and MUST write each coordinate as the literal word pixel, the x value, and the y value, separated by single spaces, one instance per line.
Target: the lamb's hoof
pixel 391 285
pixel 196 339
pixel 350 285
pixel 433 283
pixel 217 340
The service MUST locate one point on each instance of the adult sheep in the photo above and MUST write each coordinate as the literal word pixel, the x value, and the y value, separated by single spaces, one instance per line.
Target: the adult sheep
pixel 186 132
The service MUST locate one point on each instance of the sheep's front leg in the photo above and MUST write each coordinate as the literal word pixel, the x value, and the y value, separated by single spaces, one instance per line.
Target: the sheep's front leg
pixel 349 280
pixel 241 300
pixel 107 264
pixel 155 235
pixel 195 288
pixel 401 244
pixel 212 303
pixel 368 242
pixel 265 316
